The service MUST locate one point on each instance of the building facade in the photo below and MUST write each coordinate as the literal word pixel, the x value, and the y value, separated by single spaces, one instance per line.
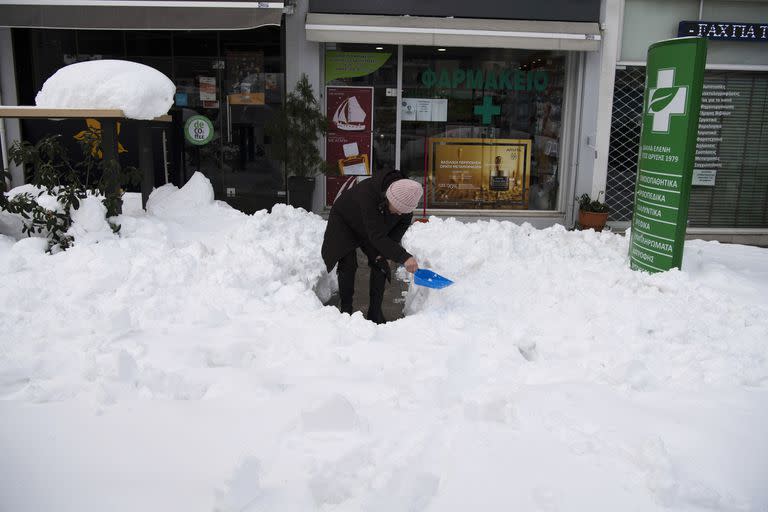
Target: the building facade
pixel 501 110
pixel 729 198
pixel 493 107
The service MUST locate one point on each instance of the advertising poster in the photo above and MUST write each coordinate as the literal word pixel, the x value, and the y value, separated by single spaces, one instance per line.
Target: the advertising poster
pixel 479 172
pixel 252 98
pixel 349 153
pixel 350 109
pixel 207 88
pixel 348 144
pixel 245 78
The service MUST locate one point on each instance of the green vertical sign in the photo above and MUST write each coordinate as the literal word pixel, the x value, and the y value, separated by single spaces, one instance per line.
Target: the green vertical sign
pixel 673 82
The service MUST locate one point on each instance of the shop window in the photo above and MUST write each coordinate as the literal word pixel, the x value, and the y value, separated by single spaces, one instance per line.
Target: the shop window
pixel 195 44
pixel 38 55
pixel 483 126
pixel 148 44
pixel 229 83
pixel 252 85
pixel 100 44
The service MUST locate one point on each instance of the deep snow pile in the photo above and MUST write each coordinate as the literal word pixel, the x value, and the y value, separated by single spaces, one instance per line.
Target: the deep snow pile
pixel 189 365
pixel 140 91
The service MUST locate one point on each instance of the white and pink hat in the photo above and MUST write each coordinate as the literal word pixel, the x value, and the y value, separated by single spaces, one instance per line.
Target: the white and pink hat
pixel 404 195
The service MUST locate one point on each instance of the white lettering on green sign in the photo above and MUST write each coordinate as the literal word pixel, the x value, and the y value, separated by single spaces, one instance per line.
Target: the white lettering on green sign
pixel 659 182
pixel 652 196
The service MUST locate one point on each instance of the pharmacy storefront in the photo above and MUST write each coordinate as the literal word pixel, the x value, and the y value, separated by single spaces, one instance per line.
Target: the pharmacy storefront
pixel 729 198
pixel 479 105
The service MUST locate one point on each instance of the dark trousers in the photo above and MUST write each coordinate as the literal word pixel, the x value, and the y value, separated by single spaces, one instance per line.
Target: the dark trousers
pixel 346 269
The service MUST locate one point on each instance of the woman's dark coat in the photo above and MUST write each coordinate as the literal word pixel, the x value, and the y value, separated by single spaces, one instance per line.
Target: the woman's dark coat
pixel 360 217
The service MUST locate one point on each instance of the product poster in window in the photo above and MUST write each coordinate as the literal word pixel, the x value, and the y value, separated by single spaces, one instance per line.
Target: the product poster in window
pixel 479 173
pixel 245 78
pixel 348 142
pixel 349 153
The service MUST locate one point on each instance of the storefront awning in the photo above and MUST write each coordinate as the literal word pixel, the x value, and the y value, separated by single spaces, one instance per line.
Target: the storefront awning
pixel 140 14
pixel 428 31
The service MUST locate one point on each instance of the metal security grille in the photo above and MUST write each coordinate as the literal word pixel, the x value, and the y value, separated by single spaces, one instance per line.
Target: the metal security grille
pixel 739 197
pixel 625 140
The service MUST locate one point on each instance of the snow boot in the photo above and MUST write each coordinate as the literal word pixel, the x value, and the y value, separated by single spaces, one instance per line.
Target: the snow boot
pixel 377 283
pixel 346 269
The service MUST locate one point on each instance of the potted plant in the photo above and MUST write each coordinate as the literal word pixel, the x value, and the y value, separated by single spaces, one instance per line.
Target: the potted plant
pixel 295 131
pixel 592 213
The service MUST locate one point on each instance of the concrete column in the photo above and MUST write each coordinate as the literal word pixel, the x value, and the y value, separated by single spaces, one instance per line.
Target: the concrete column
pixel 302 56
pixel 611 22
pixel 588 149
pixel 9 97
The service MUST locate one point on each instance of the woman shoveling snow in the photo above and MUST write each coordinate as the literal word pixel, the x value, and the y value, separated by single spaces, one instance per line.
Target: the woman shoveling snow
pixel 373 216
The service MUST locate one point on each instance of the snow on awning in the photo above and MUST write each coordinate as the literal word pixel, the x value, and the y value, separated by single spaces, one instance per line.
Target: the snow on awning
pixel 432 31
pixel 140 14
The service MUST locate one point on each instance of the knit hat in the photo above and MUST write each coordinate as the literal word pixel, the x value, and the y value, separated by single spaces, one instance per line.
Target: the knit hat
pixel 404 195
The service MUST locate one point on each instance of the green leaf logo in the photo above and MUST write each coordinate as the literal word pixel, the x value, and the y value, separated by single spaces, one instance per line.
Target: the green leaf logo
pixel 661 98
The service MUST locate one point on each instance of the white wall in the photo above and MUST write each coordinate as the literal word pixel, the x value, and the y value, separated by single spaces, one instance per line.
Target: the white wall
pixel 648 21
pixel 593 127
pixel 605 70
pixel 8 97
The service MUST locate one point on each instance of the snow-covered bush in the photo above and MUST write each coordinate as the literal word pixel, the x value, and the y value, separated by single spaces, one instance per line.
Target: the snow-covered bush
pixel 59 185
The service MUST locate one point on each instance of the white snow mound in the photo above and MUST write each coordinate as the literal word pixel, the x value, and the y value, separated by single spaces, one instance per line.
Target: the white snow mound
pixel 89 221
pixel 140 91
pixel 188 364
pixel 169 200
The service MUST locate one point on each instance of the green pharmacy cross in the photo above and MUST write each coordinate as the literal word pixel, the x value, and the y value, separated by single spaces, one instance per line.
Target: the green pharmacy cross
pixel 487 110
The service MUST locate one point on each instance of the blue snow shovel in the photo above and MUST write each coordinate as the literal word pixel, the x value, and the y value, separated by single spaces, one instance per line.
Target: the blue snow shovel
pixel 424 277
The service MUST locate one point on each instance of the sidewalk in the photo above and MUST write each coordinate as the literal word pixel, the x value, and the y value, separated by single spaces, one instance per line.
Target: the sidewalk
pixel 392 310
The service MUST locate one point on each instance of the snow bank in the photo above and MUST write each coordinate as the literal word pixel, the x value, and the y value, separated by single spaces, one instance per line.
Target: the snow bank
pixel 189 365
pixel 89 221
pixel 170 201
pixel 140 91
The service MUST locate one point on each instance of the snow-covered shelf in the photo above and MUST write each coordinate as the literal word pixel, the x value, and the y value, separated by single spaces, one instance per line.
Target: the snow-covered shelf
pixel 29 112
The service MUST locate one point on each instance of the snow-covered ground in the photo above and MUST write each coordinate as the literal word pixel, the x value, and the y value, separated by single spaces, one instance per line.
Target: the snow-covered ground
pixel 189 365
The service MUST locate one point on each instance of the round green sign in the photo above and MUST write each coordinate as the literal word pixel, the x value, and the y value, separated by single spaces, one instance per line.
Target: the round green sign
pixel 198 130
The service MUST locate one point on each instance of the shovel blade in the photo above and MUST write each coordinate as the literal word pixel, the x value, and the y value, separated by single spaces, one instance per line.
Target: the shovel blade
pixel 430 279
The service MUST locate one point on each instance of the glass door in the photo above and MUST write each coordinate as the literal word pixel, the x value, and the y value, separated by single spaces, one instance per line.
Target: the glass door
pixel 252 93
